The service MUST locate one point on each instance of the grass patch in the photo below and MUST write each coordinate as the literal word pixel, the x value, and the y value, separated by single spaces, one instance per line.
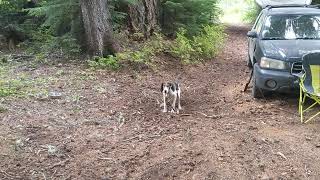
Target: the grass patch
pixel 19 84
pixel 3 109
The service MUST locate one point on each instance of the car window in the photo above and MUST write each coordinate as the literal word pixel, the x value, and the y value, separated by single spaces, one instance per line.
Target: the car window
pixel 292 27
pixel 259 23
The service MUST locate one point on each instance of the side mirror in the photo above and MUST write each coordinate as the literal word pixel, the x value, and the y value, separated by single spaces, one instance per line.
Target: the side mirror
pixel 252 34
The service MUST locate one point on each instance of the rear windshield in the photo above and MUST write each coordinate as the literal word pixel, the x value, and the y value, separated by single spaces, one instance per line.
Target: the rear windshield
pixel 280 27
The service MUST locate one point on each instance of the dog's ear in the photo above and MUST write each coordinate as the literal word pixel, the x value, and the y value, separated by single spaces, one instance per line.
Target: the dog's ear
pixel 162 87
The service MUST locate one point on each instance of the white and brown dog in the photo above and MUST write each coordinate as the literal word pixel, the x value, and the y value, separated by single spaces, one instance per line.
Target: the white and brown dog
pixel 171 90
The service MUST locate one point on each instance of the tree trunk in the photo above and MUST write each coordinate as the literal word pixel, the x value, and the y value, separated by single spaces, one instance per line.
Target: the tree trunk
pixel 98 27
pixel 143 17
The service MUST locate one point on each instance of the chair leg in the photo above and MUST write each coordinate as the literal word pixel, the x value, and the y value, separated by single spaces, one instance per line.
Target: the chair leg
pixel 317 101
pixel 312 118
pixel 301 105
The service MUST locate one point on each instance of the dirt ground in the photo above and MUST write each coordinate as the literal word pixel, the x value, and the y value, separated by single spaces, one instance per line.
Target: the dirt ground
pixel 109 125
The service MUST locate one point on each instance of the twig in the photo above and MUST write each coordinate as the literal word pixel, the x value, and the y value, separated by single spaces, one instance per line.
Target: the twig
pixel 207 116
pixel 61 163
pixel 282 155
pixel 248 83
pixel 185 114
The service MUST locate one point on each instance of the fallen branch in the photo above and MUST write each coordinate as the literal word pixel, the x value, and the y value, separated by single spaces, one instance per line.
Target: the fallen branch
pixel 212 117
pixel 248 83
pixel 281 155
pixel 61 163
pixel 185 114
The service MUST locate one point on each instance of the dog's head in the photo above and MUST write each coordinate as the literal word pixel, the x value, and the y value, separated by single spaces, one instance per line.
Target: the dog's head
pixel 165 88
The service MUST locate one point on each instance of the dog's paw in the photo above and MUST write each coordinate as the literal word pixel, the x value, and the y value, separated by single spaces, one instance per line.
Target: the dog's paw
pixel 172 111
pixel 164 111
pixel 180 108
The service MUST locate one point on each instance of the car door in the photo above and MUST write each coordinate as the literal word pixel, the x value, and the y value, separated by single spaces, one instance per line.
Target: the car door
pixel 252 41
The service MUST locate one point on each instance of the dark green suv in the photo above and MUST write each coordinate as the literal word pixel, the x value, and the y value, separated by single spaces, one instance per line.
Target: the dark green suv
pixel 277 42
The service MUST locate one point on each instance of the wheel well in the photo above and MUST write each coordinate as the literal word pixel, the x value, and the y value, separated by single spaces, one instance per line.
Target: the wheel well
pixel 254 61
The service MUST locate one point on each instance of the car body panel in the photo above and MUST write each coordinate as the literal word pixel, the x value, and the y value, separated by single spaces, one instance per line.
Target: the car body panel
pixel 288 50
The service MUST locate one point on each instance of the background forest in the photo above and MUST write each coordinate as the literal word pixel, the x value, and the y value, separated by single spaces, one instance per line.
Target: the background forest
pixel 121 32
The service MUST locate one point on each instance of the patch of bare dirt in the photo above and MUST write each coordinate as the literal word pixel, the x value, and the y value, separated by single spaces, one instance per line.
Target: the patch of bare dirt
pixel 109 125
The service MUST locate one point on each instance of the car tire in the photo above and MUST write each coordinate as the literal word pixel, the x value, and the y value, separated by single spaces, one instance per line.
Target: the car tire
pixel 256 91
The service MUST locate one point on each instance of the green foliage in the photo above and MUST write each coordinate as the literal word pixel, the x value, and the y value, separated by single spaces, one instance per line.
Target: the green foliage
pixel 43 43
pixel 183 47
pixel 209 42
pixel 316 2
pixel 191 15
pixel 137 56
pixel 3 109
pixel 118 12
pixel 252 12
pixel 206 45
pixel 110 62
pixel 59 15
pixel 13 20
pixel 18 84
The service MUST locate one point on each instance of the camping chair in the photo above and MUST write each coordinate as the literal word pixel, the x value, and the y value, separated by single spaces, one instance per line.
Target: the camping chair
pixel 309 83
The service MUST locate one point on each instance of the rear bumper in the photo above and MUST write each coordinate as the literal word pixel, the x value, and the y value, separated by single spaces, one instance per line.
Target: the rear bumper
pixel 285 81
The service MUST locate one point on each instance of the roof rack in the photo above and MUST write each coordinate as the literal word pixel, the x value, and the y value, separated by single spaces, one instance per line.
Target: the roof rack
pixel 292 5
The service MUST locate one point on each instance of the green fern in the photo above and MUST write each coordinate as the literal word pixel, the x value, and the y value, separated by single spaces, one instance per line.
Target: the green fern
pixel 59 14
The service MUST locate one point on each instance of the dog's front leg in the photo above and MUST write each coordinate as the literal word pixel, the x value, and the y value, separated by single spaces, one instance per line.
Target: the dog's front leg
pixel 164 104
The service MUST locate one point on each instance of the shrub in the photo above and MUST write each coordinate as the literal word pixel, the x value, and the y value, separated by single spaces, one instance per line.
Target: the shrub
pixel 209 42
pixel 142 55
pixel 252 12
pixel 42 42
pixel 182 46
pixel 206 45
pixel 110 62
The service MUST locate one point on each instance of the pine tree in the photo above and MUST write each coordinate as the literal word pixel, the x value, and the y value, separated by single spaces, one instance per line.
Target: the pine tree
pixel 189 14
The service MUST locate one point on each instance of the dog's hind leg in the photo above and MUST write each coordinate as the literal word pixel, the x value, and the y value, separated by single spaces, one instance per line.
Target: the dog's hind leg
pixel 179 100
pixel 174 102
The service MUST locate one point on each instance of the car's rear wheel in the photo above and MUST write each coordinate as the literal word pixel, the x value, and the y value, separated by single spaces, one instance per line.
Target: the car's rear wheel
pixel 256 91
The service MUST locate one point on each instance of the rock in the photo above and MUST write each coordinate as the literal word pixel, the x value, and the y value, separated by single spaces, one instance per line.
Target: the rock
pixel 52 149
pixel 55 95
pixel 19 144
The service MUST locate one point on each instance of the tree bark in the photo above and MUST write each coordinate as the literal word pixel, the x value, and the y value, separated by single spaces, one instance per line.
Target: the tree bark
pixel 98 27
pixel 143 17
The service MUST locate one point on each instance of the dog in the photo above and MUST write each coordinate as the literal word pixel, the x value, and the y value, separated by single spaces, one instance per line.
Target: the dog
pixel 171 90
